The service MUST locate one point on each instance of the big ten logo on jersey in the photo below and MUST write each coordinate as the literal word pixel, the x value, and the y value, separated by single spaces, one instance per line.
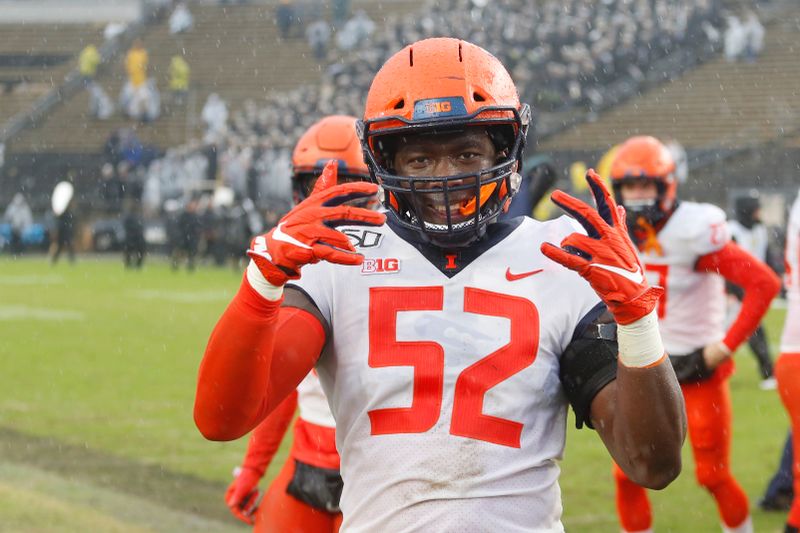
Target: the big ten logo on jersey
pixel 363 238
pixel 380 265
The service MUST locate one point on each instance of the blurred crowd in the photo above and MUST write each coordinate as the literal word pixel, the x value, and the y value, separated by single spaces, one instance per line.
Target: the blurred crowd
pixel 561 53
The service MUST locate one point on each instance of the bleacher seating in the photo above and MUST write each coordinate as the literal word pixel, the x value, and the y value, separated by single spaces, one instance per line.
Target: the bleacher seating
pixel 233 50
pixel 719 104
pixel 36 57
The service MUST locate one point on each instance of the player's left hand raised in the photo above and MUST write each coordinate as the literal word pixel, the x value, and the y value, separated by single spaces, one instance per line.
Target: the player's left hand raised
pixel 605 256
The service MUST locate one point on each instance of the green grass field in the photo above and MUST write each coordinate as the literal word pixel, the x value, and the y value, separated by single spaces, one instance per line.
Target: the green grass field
pixel 97 375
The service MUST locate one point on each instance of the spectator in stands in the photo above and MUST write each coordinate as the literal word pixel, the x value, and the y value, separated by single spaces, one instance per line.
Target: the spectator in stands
pixel 215 116
pixel 152 102
pixel 179 74
pixel 18 215
pixel 100 105
pixel 285 17
pixel 318 34
pixel 340 11
pixel 355 31
pixel 88 61
pixel 181 19
pixel 113 30
pixel 735 39
pixel 136 64
pixel 139 99
pixel 754 36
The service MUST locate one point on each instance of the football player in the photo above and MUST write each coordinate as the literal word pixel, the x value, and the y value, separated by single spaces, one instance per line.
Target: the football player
pixel 751 234
pixel 304 497
pixel 447 342
pixel 787 369
pixel 686 248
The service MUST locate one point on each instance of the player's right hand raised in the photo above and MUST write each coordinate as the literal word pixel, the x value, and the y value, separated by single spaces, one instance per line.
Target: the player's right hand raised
pixel 306 234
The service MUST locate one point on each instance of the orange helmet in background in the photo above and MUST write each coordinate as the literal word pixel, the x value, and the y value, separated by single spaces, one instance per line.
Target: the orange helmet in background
pixel 333 137
pixel 645 158
pixel 435 86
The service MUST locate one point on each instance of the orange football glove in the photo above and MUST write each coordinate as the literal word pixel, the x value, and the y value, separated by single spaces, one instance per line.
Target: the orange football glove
pixel 242 494
pixel 605 257
pixel 306 234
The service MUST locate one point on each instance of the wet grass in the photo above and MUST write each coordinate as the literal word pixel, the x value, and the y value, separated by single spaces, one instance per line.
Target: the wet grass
pixel 97 373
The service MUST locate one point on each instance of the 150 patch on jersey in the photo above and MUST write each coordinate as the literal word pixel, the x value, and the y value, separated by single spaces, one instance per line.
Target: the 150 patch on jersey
pixel 363 238
pixel 380 265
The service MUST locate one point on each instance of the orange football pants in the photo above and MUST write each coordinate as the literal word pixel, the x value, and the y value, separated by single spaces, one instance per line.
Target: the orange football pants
pixel 787 372
pixel 708 412
pixel 281 512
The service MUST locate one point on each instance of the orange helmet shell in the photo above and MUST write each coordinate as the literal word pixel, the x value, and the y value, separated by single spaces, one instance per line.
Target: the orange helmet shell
pixel 333 137
pixel 439 78
pixel 642 157
pixel 645 157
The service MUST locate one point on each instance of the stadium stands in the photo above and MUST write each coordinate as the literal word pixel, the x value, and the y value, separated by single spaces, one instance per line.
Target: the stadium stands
pixel 233 50
pixel 718 104
pixel 34 58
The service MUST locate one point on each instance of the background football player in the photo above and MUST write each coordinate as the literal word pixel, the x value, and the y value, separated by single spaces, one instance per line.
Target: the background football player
pixel 787 369
pixel 752 235
pixel 686 248
pixel 304 497
pixel 444 346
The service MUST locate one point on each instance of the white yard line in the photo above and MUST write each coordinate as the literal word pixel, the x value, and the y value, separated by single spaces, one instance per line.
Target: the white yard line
pixel 22 312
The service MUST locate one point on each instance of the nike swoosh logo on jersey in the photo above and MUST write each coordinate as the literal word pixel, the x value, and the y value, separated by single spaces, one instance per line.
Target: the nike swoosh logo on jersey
pixel 634 276
pixel 515 277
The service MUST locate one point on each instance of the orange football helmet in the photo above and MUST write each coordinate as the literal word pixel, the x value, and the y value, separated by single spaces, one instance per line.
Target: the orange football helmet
pixel 645 158
pixel 443 85
pixel 333 137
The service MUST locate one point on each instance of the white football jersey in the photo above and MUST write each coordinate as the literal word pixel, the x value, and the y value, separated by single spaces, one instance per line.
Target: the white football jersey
pixel 754 240
pixel 312 402
pixel 790 341
pixel 692 311
pixel 450 414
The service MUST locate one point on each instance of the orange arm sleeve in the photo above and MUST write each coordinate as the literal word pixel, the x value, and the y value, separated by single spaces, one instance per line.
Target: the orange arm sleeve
pixel 257 355
pixel 267 437
pixel 757 280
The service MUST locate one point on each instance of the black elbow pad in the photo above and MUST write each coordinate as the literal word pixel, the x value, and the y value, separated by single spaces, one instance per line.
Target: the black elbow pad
pixel 587 365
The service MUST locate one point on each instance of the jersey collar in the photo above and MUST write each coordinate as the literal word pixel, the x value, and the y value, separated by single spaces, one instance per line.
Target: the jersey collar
pixel 451 262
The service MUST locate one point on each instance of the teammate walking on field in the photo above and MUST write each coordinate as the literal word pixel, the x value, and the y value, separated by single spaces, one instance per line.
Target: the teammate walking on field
pixel 787 369
pixel 686 248
pixel 304 497
pixel 448 342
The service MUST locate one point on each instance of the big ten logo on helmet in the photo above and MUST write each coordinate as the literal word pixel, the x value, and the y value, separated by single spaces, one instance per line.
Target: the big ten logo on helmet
pixel 439 107
pixel 380 265
pixel 363 238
